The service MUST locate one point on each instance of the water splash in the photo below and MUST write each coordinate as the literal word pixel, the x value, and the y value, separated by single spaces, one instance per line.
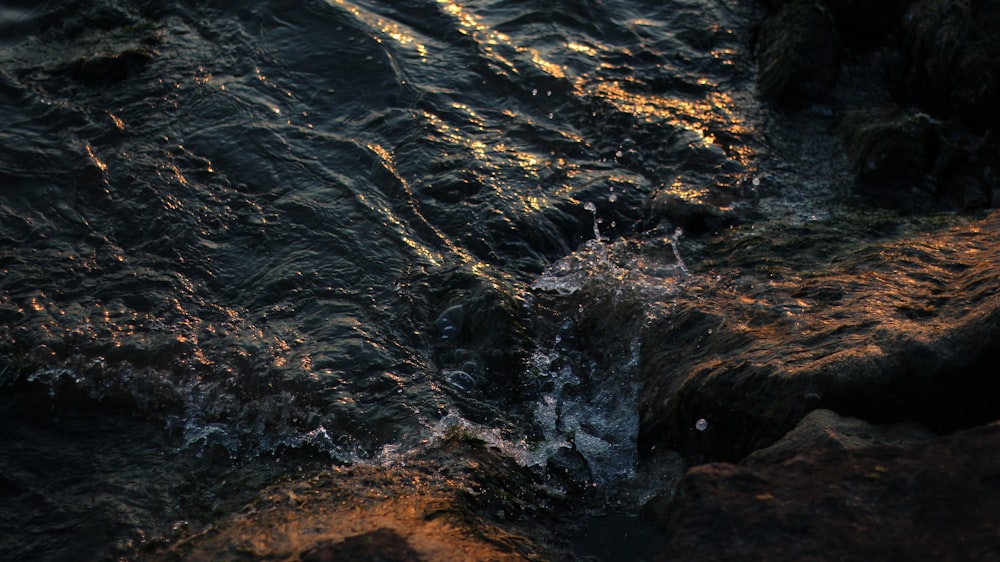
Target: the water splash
pixel 623 265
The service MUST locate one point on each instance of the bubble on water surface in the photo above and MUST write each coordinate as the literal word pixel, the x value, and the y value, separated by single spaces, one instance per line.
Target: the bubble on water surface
pixel 701 424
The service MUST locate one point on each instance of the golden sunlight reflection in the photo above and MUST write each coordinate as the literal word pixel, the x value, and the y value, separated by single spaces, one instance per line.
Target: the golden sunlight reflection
pixel 97 161
pixel 488 38
pixel 119 124
pixel 706 117
pixel 388 162
pixel 581 48
pixel 385 28
pixel 686 192
pixel 714 113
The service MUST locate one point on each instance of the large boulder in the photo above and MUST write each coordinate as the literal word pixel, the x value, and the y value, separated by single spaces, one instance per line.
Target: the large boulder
pixel 798 54
pixel 936 501
pixel 886 327
pixel 950 60
pixel 459 501
pixel 827 430
pixel 912 162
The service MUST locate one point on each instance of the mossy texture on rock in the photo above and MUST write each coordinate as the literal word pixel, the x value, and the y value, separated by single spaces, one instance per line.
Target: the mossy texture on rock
pixel 886 146
pixel 911 162
pixel 818 317
pixel 798 54
pixel 951 54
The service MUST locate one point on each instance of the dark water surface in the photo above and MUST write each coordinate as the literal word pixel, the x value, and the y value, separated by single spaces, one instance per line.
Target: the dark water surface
pixel 334 229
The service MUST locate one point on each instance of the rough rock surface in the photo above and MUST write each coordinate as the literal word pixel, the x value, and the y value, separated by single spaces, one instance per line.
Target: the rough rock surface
pixel 826 430
pixel 460 502
pixel 928 143
pixel 882 326
pixel 933 502
pixel 911 162
pixel 798 54
pixel 951 60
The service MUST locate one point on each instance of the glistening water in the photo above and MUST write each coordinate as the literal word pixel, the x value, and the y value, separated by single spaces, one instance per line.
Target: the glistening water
pixel 334 228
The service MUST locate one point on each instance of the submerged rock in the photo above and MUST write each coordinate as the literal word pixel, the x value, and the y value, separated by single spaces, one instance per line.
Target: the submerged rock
pixel 458 502
pixel 831 316
pixel 98 49
pixel 887 147
pixel 931 502
pixel 939 61
pixel 108 67
pixel 380 545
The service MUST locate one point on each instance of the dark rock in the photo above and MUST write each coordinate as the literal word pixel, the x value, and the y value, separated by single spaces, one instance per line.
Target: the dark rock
pixel 571 464
pixel 692 217
pixel 950 62
pixel 380 545
pixel 107 68
pixel 861 25
pixel 457 501
pixel 826 430
pixel 798 55
pixel 886 146
pixel 911 162
pixel 890 331
pixel 932 502
pixel 100 46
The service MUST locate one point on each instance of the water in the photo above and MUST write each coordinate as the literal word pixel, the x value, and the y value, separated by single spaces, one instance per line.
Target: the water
pixel 262 229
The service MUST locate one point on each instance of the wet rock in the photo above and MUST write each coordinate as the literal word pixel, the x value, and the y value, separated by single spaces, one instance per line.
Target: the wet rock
pixel 950 60
pixel 912 162
pixel 692 217
pixel 861 25
pixel 932 502
pixel 829 316
pixel 886 146
pixel 455 502
pixel 571 464
pixel 826 430
pixel 109 67
pixel 798 54
pixel 380 545
pixel 99 45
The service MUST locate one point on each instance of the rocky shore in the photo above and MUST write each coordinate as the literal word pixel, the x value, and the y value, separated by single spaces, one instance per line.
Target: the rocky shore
pixel 849 380
pixel 833 389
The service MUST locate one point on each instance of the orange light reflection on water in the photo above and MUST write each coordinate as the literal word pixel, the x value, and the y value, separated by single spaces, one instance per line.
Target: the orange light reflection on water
pixel 706 117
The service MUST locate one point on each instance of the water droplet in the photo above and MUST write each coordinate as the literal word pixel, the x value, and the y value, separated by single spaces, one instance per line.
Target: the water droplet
pixel 589 205
pixel 701 425
pixel 618 154
pixel 755 182
pixel 613 197
pixel 534 92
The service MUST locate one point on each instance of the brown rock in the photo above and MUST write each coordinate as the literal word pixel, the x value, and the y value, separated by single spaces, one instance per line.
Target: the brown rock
pixel 380 545
pixel 889 331
pixel 933 502
pixel 826 430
